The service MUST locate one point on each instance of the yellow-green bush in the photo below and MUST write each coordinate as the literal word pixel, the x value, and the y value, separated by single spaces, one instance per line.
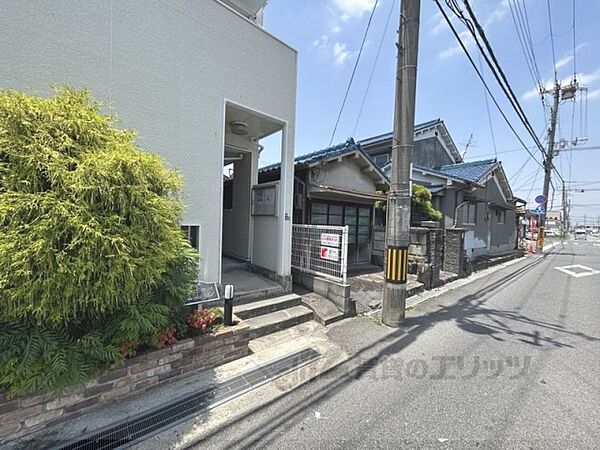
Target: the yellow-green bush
pixel 89 232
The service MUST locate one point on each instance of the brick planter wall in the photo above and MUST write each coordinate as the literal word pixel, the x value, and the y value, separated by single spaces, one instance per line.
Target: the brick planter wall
pixel 26 415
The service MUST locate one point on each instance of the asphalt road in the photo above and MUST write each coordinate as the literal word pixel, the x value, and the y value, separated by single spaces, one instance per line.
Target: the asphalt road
pixel 511 360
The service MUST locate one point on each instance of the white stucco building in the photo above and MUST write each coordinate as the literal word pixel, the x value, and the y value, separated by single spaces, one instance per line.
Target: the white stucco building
pixel 201 81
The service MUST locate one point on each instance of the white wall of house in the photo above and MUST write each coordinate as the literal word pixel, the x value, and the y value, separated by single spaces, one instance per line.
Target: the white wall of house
pixel 166 68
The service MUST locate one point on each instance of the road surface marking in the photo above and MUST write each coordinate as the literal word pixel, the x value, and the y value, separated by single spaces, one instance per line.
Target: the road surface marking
pixel 583 270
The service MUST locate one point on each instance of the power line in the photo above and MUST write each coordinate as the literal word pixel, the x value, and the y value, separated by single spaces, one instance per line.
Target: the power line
pixel 552 40
pixel 491 60
pixel 525 16
pixel 362 44
pixel 462 45
pixel 362 105
pixel 521 34
pixel 487 108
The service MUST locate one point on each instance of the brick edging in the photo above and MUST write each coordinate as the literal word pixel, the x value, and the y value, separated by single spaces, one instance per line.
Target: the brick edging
pixel 30 414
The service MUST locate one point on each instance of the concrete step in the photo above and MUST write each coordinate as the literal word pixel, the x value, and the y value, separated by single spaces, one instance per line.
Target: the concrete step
pixel 278 320
pixel 325 310
pixel 258 308
pixel 243 297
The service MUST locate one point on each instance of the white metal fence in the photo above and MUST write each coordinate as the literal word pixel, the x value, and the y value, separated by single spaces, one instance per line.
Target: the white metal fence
pixel 320 250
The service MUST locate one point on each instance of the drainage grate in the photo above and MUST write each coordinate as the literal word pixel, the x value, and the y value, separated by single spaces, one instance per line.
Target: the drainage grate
pixel 134 429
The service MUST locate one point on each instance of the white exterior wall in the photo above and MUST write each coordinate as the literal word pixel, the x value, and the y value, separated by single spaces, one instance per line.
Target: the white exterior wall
pixel 166 68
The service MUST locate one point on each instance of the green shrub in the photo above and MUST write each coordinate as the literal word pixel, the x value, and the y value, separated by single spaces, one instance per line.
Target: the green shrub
pixel 421 203
pixel 92 259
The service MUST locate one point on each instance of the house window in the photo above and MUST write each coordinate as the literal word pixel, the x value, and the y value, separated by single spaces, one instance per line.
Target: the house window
pixel 500 217
pixel 192 234
pixel 470 214
pixel 381 160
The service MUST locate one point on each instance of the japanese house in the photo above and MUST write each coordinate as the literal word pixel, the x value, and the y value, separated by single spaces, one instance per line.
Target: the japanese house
pixel 338 185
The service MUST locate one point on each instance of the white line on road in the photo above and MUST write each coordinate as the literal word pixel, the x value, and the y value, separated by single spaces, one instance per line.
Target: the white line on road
pixel 586 271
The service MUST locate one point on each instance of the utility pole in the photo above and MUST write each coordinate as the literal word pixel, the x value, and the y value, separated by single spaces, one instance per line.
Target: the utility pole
pixel 399 197
pixel 565 228
pixel 548 167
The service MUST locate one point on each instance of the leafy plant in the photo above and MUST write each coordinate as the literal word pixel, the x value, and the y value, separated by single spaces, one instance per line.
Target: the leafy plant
pixel 164 337
pixel 93 264
pixel 137 324
pixel 203 320
pixel 421 203
pixel 88 223
pixel 41 358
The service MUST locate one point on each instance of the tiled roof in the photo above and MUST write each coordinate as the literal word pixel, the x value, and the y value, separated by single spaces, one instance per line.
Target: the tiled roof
pixel 470 171
pixel 386 136
pixel 310 158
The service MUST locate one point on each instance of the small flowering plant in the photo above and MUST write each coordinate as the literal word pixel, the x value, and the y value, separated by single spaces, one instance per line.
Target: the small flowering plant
pixel 204 320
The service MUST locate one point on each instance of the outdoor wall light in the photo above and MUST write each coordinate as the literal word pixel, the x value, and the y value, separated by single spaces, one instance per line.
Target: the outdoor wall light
pixel 238 127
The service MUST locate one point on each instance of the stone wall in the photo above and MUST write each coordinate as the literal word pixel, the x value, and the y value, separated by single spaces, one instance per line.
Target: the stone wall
pixel 455 257
pixel 424 252
pixel 417 248
pixel 30 414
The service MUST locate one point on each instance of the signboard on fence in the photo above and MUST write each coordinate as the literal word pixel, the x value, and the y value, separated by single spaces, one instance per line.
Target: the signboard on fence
pixel 329 253
pixel 205 292
pixel 330 240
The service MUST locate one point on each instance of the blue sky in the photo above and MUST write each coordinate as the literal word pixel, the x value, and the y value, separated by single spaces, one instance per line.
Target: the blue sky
pixel 327 35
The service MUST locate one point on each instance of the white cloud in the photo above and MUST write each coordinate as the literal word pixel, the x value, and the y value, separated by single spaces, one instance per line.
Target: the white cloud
pixel 568 57
pixel 321 42
pixel 467 40
pixel 337 50
pixel 353 8
pixel 340 53
pixel 586 79
pixel 593 95
pixel 336 29
pixel 563 62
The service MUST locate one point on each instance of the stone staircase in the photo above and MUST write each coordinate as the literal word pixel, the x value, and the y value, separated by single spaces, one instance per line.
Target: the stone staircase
pixel 273 314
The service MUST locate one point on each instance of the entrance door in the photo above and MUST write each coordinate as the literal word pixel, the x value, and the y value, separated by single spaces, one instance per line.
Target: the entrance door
pixel 359 220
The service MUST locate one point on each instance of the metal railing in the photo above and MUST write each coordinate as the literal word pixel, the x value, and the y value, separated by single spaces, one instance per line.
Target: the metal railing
pixel 321 250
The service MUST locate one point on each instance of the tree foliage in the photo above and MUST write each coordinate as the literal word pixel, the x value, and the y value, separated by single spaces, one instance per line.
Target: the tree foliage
pixel 421 202
pixel 89 240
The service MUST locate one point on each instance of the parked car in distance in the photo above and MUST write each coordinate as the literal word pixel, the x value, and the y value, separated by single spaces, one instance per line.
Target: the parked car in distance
pixel 580 234
pixel 552 233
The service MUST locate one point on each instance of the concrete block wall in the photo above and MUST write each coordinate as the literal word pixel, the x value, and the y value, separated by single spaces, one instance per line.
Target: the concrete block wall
pixel 31 414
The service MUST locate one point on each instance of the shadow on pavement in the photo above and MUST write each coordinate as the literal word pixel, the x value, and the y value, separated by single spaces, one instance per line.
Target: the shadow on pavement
pixel 464 312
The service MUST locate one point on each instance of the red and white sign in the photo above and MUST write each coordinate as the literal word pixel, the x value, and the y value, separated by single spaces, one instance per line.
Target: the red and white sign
pixel 331 254
pixel 330 240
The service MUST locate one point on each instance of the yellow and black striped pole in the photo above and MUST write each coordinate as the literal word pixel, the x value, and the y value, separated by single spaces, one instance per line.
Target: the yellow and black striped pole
pixel 396 267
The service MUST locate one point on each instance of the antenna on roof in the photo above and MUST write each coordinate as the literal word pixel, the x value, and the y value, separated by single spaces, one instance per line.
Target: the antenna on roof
pixel 469 142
